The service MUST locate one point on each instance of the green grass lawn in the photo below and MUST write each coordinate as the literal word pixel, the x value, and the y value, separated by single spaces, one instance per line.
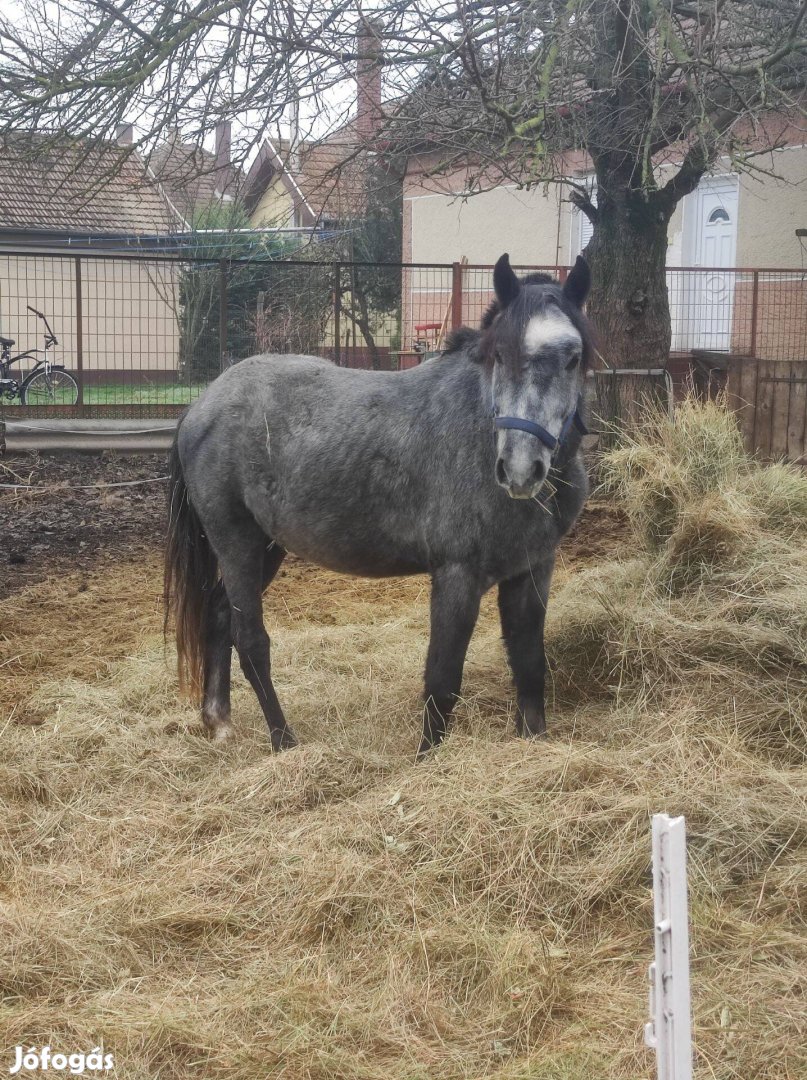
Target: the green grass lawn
pixel 143 394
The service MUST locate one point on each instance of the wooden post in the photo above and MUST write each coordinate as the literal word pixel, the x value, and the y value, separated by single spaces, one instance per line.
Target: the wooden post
pixel 79 334
pixel 222 314
pixel 337 313
pixel 754 313
pixel 456 295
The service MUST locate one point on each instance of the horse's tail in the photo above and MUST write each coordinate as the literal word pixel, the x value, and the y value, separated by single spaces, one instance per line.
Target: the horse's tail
pixel 188 579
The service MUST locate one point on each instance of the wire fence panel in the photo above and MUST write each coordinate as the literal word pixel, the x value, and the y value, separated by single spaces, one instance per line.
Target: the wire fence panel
pixel 142 336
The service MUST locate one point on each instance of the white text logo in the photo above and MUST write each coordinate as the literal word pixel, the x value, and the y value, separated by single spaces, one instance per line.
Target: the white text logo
pixel 44 1060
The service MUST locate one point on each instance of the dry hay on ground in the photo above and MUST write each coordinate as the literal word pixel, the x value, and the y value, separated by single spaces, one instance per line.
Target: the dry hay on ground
pixel 338 911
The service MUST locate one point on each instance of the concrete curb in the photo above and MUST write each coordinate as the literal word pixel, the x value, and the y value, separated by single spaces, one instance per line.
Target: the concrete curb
pixel 126 436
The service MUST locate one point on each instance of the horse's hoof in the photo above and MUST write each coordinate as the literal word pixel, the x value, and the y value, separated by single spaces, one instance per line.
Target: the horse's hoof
pixel 425 749
pixel 222 733
pixel 531 725
pixel 283 740
pixel 525 732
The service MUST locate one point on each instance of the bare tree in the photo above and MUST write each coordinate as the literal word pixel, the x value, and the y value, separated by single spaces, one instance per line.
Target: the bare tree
pixel 650 92
pixel 645 94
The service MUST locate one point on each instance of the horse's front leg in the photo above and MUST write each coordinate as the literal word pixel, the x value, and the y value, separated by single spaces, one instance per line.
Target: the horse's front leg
pixel 454 609
pixel 522 607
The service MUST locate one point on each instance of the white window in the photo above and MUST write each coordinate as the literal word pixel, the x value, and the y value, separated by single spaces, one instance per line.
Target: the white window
pixel 582 227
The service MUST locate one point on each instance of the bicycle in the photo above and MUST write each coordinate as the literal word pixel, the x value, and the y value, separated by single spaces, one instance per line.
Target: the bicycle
pixel 46 383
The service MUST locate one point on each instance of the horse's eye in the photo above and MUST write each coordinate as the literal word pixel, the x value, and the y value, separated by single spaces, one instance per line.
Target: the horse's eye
pixel 575 360
pixel 497 356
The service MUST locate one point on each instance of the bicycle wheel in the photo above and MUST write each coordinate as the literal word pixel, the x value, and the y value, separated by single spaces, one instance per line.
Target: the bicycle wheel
pixel 52 387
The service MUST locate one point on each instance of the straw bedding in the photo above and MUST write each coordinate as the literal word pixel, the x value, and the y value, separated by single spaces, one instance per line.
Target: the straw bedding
pixel 338 911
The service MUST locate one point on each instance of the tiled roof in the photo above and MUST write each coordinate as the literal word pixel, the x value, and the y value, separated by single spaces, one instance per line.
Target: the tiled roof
pixel 79 188
pixel 191 178
pixel 330 174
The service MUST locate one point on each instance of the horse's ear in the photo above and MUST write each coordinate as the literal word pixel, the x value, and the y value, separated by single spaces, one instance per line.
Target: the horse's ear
pixel 505 283
pixel 578 283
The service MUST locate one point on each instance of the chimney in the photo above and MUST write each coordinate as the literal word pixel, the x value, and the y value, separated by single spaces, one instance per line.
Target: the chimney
pixel 124 134
pixel 368 79
pixel 223 132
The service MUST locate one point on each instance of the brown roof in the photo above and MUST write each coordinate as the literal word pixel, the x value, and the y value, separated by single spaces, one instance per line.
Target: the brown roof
pixel 64 187
pixel 191 177
pixel 329 180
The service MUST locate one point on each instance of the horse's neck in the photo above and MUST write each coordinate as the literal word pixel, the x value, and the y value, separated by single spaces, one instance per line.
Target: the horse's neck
pixel 463 379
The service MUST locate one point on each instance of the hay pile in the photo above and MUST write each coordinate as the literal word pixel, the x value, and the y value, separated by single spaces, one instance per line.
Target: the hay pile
pixel 340 912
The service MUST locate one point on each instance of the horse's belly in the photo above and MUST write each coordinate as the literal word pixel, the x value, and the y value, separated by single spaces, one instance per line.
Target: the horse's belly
pixel 350 559
pixel 349 547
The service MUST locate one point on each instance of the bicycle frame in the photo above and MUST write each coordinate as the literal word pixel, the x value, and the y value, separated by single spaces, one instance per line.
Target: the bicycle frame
pixel 6 360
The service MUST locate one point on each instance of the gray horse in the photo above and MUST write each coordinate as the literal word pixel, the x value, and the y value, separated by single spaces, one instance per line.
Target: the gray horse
pixel 466 468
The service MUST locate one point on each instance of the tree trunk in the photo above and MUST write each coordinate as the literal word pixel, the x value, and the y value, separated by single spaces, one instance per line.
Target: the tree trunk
pixel 628 306
pixel 364 324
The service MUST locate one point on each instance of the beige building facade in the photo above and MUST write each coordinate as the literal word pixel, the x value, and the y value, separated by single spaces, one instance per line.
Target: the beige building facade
pixel 539 227
pixel 733 225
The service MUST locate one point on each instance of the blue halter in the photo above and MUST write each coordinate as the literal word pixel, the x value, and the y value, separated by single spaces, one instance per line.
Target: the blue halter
pixel 574 419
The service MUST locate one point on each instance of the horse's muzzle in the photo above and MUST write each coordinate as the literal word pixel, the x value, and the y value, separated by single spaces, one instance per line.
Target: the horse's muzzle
pixel 524 483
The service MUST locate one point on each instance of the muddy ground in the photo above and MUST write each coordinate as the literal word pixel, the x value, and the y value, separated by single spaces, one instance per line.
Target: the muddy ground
pixel 72 519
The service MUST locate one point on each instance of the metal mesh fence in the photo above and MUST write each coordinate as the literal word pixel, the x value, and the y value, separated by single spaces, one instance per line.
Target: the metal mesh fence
pixel 142 336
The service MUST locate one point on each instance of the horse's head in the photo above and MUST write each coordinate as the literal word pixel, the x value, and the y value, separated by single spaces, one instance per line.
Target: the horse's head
pixel 538 345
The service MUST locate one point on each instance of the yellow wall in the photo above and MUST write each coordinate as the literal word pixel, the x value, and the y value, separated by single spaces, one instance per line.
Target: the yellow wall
pixel 440 227
pixel 275 207
pixel 771 209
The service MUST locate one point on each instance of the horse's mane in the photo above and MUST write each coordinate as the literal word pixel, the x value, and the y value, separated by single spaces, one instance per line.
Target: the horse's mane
pixel 461 338
pixel 465 336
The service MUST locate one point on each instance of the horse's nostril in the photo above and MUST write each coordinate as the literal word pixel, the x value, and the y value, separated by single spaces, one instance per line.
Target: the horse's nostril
pixel 539 470
pixel 501 473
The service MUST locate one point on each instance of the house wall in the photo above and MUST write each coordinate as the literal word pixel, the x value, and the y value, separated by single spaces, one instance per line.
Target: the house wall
pixel 540 227
pixel 771 209
pixel 532 225
pixel 275 206
pixel 128 311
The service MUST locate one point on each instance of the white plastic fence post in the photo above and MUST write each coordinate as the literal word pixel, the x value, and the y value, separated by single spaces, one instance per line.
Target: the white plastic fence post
pixel 669 1031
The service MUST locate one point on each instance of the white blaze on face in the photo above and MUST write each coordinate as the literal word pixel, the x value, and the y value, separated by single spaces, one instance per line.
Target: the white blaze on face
pixel 554 328
pixel 526 398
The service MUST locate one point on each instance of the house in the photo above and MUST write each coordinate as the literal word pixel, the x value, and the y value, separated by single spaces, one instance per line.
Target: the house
pixel 62 209
pixel 323 183
pixel 733 220
pixel 195 180
pixel 344 187
pixel 69 194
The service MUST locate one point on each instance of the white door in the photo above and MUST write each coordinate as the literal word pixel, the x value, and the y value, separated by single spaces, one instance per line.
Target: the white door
pixel 715 246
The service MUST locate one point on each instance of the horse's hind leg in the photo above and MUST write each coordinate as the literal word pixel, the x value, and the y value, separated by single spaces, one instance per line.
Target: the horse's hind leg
pixel 454 610
pixel 522 607
pixel 218 649
pixel 218 654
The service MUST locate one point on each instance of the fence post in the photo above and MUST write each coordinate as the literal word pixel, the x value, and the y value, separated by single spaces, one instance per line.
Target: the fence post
pixel 79 334
pixel 456 295
pixel 222 314
pixel 337 313
pixel 754 313
pixel 669 1030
